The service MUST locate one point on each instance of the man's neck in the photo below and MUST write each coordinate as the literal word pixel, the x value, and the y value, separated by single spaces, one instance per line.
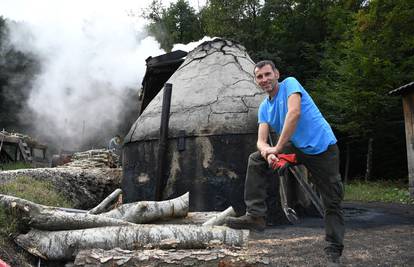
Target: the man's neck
pixel 274 91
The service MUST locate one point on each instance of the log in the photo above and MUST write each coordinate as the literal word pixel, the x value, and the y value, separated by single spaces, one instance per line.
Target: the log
pixel 106 202
pixel 54 218
pixel 64 245
pixel 212 257
pixel 148 211
pixel 221 217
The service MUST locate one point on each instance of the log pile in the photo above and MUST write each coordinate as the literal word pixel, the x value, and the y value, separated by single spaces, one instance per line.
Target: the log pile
pixel 60 234
pixel 96 158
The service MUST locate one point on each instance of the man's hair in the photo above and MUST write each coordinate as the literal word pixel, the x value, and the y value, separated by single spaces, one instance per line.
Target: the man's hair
pixel 263 63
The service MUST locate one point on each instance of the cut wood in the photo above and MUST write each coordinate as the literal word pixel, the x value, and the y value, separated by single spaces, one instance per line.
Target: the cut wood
pixel 55 218
pixel 64 245
pixel 103 206
pixel 52 218
pixel 212 257
pixel 220 218
pixel 148 211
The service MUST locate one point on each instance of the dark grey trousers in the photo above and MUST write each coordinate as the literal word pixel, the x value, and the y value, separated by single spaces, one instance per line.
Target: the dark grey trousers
pixel 324 169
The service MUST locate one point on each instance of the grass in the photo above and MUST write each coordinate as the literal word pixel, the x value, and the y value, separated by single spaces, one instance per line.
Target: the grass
pixel 40 192
pixel 380 191
pixel 15 166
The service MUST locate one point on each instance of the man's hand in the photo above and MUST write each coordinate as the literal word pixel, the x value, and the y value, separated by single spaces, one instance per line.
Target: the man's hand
pixel 269 150
pixel 271 158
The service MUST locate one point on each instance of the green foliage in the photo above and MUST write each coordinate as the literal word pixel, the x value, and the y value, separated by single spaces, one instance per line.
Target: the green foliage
pixel 381 191
pixel 15 166
pixel 40 192
pixel 176 24
pixel 17 70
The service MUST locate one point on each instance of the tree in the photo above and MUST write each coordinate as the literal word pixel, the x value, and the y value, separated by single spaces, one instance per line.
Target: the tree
pixel 178 23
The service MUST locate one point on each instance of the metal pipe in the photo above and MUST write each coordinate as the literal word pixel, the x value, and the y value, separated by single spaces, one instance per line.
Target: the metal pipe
pixel 163 141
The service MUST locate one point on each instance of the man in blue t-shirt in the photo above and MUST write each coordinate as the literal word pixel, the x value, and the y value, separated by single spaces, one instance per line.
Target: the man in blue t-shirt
pixel 290 111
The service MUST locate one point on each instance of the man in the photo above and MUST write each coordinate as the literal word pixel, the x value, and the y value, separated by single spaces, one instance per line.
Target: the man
pixel 291 112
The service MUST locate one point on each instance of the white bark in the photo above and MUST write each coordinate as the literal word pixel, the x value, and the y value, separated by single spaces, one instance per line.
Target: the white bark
pixel 52 218
pixel 220 218
pixel 64 245
pixel 212 257
pixel 148 211
pixel 106 202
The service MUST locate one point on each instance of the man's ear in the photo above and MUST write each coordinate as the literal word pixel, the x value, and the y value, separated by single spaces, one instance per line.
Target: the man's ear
pixel 277 74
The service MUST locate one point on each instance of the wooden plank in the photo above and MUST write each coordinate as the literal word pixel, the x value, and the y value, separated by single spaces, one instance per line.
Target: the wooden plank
pixel 408 106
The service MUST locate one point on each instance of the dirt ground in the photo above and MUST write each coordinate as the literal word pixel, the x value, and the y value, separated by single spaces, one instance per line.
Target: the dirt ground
pixel 377 234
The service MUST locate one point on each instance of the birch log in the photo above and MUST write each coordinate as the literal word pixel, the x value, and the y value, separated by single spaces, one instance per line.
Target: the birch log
pixel 148 211
pixel 213 257
pixel 220 218
pixel 106 202
pixel 52 218
pixel 64 245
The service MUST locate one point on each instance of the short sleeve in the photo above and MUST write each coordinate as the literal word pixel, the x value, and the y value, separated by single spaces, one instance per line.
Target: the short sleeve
pixel 293 86
pixel 262 114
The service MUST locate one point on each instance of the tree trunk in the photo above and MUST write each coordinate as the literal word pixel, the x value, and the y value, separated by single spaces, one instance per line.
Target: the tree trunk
pixel 51 218
pixel 148 211
pixel 150 258
pixel 64 245
pixel 369 160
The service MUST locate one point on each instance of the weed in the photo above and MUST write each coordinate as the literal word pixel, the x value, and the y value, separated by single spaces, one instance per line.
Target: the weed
pixel 381 191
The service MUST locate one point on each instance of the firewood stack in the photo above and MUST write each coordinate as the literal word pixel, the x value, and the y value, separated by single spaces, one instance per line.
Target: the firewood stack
pixel 96 158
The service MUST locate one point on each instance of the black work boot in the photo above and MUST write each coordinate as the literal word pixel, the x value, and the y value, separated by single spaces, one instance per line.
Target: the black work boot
pixel 333 260
pixel 247 221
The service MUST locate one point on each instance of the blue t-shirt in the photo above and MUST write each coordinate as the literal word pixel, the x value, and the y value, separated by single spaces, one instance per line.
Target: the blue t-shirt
pixel 313 134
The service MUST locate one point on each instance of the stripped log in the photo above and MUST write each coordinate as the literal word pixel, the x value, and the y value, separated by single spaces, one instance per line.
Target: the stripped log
pixel 212 257
pixel 64 245
pixel 103 206
pixel 54 218
pixel 221 217
pixel 148 211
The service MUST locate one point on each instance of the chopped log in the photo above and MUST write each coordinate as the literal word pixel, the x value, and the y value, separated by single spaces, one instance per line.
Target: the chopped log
pixel 54 218
pixel 148 211
pixel 221 217
pixel 212 257
pixel 106 202
pixel 64 245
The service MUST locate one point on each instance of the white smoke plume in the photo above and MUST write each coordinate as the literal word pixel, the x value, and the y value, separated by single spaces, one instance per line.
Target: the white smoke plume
pixel 190 46
pixel 89 64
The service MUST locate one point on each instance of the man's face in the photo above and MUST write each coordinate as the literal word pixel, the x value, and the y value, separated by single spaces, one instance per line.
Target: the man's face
pixel 266 78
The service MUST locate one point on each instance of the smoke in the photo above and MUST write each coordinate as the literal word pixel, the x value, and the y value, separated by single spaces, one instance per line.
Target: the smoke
pixel 88 67
pixel 190 46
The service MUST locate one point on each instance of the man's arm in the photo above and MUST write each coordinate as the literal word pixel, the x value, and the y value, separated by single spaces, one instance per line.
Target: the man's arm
pixel 264 148
pixel 291 121
pixel 289 126
pixel 262 136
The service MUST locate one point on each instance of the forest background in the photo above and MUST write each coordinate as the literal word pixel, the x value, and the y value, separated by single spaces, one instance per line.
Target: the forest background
pixel 348 54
